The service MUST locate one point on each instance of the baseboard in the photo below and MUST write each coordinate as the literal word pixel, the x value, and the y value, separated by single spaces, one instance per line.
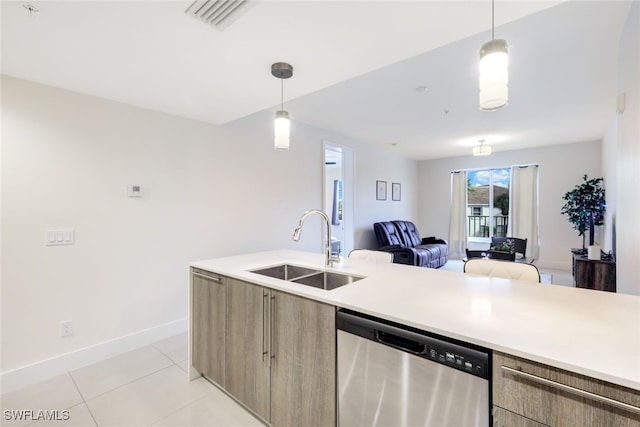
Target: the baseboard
pixel 49 368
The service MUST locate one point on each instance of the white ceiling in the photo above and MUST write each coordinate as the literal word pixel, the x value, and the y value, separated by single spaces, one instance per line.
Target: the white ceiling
pixel 356 65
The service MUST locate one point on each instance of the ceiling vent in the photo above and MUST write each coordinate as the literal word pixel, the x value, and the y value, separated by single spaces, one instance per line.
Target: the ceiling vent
pixel 219 13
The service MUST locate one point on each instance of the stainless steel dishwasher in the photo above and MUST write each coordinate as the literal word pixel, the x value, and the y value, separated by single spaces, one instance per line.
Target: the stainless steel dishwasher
pixel 390 375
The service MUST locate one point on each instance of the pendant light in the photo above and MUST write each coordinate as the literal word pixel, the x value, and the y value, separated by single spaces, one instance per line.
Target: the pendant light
pixel 482 150
pixel 281 70
pixel 494 71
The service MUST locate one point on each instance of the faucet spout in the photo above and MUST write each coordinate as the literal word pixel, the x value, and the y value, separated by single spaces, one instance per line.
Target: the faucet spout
pixel 330 259
pixel 296 233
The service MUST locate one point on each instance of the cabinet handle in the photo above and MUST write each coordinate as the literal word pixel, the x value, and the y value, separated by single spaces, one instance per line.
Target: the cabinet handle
pixel 204 276
pixel 577 391
pixel 273 321
pixel 265 320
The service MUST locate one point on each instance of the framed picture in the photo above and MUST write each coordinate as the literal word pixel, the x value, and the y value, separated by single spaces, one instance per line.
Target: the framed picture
pixel 381 190
pixel 395 191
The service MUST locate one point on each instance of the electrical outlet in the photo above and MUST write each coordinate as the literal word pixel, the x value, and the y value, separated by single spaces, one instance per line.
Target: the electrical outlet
pixel 66 328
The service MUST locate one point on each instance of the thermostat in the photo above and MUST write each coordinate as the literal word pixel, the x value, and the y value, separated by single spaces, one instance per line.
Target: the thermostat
pixel 135 190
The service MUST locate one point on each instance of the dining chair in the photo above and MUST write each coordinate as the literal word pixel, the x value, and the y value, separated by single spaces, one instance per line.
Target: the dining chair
pixel 504 269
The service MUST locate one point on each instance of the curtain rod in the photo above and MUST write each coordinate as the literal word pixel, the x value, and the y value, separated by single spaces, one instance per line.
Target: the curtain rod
pixel 526 165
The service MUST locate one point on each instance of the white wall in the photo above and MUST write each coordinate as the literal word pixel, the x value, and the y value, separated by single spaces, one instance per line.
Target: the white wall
pixel 372 165
pixel 331 173
pixel 209 191
pixel 627 147
pixel 609 172
pixel 561 168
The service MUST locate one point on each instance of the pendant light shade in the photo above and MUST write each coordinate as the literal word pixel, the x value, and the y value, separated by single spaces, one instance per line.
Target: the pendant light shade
pixel 494 75
pixel 282 127
pixel 282 123
pixel 494 72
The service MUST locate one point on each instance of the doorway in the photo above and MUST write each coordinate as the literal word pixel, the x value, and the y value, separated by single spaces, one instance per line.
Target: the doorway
pixel 338 195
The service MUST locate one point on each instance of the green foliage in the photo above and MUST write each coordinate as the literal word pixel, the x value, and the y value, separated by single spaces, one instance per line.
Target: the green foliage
pixel 502 202
pixel 506 246
pixel 584 200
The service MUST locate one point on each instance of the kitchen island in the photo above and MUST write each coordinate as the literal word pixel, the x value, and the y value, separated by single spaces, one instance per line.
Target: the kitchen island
pixel 595 334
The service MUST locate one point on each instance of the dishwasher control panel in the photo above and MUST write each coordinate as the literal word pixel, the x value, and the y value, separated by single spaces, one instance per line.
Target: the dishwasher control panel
pixel 466 362
pixel 455 354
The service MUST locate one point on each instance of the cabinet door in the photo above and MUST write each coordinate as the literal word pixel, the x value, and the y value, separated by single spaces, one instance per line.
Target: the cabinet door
pixel 208 325
pixel 538 392
pixel 504 418
pixel 598 275
pixel 303 378
pixel 247 359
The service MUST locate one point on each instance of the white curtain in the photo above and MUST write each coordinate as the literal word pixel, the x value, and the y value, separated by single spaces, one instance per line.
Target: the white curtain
pixel 458 215
pixel 523 207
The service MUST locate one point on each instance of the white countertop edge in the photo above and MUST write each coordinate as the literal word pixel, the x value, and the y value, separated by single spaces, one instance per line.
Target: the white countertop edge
pixel 237 267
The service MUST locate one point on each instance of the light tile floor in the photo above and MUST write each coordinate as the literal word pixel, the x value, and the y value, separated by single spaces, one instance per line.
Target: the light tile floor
pixel 144 387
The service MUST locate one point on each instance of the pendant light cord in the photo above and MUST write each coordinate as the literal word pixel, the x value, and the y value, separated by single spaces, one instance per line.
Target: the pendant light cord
pixel 492 19
pixel 281 94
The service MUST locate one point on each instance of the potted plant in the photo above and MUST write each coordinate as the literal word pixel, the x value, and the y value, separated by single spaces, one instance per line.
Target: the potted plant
pixel 585 206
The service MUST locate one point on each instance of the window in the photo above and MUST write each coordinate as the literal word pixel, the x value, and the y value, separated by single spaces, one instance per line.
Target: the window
pixel 488 203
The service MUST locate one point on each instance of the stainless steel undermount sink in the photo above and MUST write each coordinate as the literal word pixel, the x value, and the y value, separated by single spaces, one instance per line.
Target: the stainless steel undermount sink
pixel 285 271
pixel 327 280
pixel 308 276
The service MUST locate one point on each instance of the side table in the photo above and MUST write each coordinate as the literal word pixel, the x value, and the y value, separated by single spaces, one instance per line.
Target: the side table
pixel 594 274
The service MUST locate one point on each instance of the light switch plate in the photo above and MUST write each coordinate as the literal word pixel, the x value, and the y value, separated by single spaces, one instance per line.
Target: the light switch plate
pixel 65 236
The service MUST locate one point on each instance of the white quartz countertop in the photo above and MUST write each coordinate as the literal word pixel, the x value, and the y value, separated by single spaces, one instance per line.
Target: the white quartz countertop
pixel 590 332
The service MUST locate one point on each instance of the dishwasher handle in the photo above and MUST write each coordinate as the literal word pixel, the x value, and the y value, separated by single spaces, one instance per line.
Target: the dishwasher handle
pixel 383 333
pixel 401 343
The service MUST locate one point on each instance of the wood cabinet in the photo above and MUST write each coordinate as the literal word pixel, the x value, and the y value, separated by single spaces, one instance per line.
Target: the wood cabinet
pixel 208 322
pixel 303 355
pixel 278 353
pixel 247 359
pixel 594 274
pixel 553 397
pixel 504 418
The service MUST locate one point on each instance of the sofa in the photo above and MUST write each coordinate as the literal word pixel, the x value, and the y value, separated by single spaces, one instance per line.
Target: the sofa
pixel 403 240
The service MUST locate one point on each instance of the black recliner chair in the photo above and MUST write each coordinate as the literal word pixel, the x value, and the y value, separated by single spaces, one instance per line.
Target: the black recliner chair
pixel 403 240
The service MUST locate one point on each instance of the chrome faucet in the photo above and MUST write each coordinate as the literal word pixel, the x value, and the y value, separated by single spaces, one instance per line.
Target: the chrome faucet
pixel 330 259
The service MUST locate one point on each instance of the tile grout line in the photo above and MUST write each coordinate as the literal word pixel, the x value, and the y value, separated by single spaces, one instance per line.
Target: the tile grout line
pixel 175 362
pixel 182 407
pixel 177 410
pixel 132 381
pixel 188 404
pixel 84 401
pixel 165 354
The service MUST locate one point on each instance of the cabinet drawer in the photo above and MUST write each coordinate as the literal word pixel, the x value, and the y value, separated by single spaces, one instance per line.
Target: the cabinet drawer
pixel 559 398
pixel 504 418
